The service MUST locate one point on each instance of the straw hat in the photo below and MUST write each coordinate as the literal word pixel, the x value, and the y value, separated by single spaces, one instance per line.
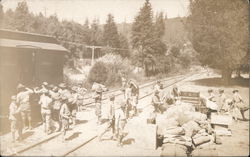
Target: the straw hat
pixel 235 90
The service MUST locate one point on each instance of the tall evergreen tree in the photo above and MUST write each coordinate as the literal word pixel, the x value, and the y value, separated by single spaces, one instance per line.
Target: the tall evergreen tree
pixel 22 16
pixel 143 36
pixel 95 33
pixel 110 33
pixel 160 25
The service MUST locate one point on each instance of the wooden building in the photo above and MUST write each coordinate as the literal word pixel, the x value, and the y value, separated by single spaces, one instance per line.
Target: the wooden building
pixel 29 59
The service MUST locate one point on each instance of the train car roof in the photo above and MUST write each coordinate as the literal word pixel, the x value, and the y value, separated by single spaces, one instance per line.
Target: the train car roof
pixel 16 39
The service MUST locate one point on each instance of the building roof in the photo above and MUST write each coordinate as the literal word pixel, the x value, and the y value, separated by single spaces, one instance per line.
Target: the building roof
pixel 30 45
pixel 16 39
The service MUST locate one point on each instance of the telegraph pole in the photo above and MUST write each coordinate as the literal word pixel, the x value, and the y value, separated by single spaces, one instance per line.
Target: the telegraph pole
pixel 93 52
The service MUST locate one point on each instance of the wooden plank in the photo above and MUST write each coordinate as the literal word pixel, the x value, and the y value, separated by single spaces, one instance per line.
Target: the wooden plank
pixel 221 119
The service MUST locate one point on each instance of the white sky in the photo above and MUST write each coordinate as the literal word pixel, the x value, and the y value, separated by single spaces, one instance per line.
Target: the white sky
pixel 79 10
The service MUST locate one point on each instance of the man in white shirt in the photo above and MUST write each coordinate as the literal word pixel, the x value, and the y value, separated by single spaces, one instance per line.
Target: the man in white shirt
pixel 120 120
pixel 46 106
pixel 23 98
pixel 110 106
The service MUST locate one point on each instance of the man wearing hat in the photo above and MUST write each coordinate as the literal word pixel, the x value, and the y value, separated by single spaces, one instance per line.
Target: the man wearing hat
pixel 23 98
pixel 56 110
pixel 46 106
pixel 211 96
pixel 110 106
pixel 15 119
pixel 98 105
pixel 134 95
pixel 120 120
pixel 222 106
pixel 72 99
pixel 175 93
pixel 239 103
pixel 157 85
pixel 156 101
pixel 65 116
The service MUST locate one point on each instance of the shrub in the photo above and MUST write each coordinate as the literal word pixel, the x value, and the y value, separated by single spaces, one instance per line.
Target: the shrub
pixel 98 73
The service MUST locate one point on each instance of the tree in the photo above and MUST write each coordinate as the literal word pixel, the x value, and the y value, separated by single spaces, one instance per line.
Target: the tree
pixel 160 25
pixel 110 33
pixel 95 33
pixel 143 35
pixel 219 33
pixel 22 16
pixel 124 45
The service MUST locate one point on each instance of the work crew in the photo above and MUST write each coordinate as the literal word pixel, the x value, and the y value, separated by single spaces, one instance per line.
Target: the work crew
pixel 46 105
pixel 65 116
pixel 15 119
pixel 134 95
pixel 98 104
pixel 120 121
pixel 239 103
pixel 157 103
pixel 110 106
pixel 23 98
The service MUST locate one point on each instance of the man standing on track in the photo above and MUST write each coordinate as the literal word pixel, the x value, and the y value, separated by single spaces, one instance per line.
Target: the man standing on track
pixel 65 116
pixel 15 119
pixel 46 106
pixel 23 98
pixel 98 104
pixel 157 103
pixel 239 103
pixel 134 95
pixel 111 117
pixel 120 121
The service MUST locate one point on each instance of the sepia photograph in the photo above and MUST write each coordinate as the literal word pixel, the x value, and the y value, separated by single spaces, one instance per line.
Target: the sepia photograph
pixel 124 78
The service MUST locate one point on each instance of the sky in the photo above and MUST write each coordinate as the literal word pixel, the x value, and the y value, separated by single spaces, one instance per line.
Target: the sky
pixel 79 10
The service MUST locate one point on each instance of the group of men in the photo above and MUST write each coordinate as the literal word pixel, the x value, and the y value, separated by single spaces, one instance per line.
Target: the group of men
pixel 229 104
pixel 161 98
pixel 58 107
pixel 119 111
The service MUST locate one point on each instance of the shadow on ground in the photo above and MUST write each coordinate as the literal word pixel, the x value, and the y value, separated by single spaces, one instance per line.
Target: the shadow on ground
pixel 81 121
pixel 75 135
pixel 27 134
pixel 217 82
pixel 128 141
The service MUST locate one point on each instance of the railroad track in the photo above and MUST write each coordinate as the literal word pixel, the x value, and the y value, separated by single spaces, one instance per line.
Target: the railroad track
pixel 117 92
pixel 142 97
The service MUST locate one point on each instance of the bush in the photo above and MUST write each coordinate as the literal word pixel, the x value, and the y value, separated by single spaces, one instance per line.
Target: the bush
pixel 116 65
pixel 98 73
